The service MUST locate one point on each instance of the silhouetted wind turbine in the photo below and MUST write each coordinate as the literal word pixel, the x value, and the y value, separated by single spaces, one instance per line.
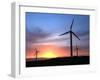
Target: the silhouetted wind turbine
pixel 76 50
pixel 36 53
pixel 71 33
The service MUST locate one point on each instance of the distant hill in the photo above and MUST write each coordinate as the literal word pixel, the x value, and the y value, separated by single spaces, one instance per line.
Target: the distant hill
pixel 39 59
pixel 59 61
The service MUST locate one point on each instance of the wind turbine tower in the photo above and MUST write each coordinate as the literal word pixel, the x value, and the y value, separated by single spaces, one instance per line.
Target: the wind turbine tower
pixel 36 53
pixel 76 50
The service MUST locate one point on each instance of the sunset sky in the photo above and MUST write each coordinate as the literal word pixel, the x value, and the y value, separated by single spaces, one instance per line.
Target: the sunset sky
pixel 43 30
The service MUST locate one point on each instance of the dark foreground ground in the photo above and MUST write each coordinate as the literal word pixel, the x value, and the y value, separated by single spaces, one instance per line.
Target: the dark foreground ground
pixel 59 61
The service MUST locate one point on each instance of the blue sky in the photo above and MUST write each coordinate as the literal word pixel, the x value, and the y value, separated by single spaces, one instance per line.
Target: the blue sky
pixel 42 28
pixel 56 21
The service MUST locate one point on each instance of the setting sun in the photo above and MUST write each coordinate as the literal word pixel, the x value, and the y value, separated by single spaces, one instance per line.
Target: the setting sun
pixel 49 54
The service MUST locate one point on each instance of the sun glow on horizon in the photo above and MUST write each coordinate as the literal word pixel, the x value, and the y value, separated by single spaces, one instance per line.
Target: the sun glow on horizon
pixel 49 51
pixel 49 54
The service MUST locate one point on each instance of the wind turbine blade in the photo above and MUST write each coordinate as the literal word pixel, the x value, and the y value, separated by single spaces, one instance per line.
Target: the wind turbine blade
pixel 72 24
pixel 35 49
pixel 75 35
pixel 64 33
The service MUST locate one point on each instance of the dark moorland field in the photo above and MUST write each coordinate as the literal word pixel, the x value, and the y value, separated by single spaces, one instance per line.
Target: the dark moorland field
pixel 59 61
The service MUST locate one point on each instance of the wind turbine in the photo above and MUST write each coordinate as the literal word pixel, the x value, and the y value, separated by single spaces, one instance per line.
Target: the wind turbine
pixel 77 50
pixel 36 53
pixel 71 38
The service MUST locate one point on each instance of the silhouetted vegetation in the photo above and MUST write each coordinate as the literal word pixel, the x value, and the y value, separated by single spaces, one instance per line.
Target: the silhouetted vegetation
pixel 59 61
